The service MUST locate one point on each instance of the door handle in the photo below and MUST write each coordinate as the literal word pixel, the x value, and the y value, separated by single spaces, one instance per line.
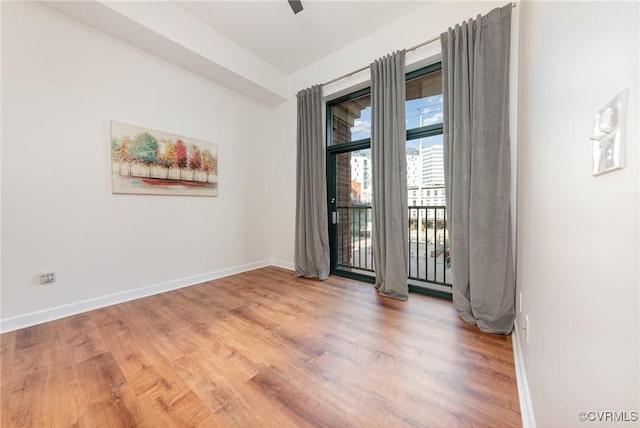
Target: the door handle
pixel 334 217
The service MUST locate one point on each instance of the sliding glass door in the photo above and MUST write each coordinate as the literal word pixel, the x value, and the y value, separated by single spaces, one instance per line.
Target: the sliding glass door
pixel 349 184
pixel 429 257
pixel 349 176
pixel 350 208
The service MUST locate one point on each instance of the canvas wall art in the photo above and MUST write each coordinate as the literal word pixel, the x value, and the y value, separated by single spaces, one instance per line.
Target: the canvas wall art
pixel 149 162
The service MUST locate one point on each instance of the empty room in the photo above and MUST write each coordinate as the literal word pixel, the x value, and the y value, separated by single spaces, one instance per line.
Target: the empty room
pixel 316 213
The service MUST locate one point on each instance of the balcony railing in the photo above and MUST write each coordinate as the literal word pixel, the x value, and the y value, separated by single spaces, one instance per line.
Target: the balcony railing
pixel 354 238
pixel 429 258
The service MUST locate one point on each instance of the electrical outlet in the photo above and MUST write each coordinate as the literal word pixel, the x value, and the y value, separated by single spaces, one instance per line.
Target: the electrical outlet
pixel 47 277
pixel 526 328
pixel 520 301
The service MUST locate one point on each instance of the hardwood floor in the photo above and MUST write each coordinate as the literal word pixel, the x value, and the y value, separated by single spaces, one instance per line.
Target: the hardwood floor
pixel 260 349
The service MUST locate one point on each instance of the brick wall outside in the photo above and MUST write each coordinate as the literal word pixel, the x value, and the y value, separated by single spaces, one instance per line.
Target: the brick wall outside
pixel 342 134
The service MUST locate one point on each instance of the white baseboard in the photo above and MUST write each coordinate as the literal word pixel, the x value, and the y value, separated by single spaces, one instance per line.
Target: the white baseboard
pixel 526 408
pixel 50 314
pixel 282 264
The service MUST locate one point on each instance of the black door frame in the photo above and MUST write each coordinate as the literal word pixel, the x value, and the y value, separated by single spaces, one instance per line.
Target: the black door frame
pixel 331 154
pixel 332 208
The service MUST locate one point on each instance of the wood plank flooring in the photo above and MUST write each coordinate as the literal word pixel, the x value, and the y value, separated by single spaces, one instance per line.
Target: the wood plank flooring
pixel 260 349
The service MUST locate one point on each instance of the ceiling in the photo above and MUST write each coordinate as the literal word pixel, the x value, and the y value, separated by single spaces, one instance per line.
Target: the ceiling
pixel 289 42
pixel 251 47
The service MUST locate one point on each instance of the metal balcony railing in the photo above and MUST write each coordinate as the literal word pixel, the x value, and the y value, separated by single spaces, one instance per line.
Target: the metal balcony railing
pixel 354 238
pixel 429 258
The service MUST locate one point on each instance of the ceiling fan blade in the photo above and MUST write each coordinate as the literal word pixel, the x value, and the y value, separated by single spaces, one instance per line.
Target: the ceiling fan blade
pixel 296 5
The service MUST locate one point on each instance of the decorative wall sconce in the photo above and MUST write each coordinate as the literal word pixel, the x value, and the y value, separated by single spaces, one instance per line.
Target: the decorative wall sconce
pixel 608 135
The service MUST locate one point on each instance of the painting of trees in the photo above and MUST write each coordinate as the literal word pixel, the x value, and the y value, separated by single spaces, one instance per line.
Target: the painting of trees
pixel 115 149
pixel 207 162
pixel 195 161
pixel 120 150
pixel 181 156
pixel 144 149
pixel 167 155
pixel 150 157
pixel 214 165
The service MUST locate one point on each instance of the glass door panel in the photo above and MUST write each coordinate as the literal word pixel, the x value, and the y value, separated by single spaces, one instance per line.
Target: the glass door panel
pixel 351 212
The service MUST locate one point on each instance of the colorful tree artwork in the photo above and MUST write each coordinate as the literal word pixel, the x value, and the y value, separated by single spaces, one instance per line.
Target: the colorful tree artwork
pixel 146 161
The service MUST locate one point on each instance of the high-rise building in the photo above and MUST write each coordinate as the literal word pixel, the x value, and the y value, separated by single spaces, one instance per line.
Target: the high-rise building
pixel 361 173
pixel 414 167
pixel 432 165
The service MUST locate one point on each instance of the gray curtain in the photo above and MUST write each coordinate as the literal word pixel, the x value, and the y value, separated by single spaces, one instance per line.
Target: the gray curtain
pixel 389 180
pixel 311 256
pixel 475 65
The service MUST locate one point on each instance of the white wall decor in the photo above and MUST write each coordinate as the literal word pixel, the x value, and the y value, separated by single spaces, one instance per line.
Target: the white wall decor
pixel 608 135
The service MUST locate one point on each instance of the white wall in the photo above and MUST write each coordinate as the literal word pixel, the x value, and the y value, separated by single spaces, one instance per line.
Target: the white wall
pixel 577 264
pixel 429 21
pixel 62 83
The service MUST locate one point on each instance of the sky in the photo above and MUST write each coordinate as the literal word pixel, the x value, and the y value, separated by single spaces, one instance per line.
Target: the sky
pixel 431 108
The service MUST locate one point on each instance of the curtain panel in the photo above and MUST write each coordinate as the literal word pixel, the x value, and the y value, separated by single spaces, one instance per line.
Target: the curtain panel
pixel 475 64
pixel 389 176
pixel 311 256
